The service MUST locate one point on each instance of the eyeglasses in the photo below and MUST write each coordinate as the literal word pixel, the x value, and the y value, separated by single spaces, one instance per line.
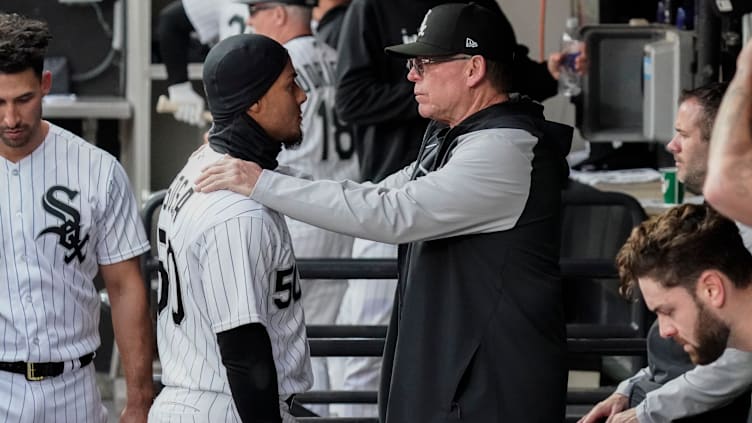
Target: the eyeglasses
pixel 255 8
pixel 419 63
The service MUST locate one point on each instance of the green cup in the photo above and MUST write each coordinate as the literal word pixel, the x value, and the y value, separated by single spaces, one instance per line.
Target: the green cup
pixel 672 188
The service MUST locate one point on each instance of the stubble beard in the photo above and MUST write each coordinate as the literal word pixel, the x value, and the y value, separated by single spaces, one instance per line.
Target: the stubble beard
pixel 292 141
pixel 694 180
pixel 30 131
pixel 712 337
pixel 17 143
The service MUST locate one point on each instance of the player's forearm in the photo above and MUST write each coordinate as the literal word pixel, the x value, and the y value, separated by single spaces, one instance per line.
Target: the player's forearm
pixel 132 326
pixel 249 363
pixel 134 337
pixel 728 186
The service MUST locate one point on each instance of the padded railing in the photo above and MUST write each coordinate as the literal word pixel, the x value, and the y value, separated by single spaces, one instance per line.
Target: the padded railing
pixel 348 341
pixel 575 396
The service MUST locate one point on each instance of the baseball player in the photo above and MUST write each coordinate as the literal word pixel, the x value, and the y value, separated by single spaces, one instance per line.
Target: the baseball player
pixel 327 151
pixel 66 213
pixel 231 332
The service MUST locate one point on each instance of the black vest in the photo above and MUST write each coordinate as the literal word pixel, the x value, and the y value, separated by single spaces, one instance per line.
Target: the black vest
pixel 477 332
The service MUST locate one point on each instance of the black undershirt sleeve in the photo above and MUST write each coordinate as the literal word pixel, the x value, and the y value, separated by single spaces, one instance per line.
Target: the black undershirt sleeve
pixel 247 355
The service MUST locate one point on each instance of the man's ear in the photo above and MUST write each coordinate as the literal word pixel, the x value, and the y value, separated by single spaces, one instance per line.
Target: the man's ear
pixel 711 288
pixel 279 15
pixel 255 109
pixel 475 70
pixel 46 82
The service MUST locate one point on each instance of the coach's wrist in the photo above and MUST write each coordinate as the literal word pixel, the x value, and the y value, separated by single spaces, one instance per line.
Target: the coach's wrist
pixel 258 182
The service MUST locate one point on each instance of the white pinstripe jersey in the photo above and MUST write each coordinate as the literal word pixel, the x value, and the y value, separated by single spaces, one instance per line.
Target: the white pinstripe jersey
pixel 204 16
pixel 229 262
pixel 327 150
pixel 64 209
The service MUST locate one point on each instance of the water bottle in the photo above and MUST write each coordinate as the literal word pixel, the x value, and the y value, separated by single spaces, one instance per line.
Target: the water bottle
pixel 570 82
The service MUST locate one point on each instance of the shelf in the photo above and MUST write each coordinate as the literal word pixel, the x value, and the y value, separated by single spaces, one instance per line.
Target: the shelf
pixel 84 107
pixel 159 73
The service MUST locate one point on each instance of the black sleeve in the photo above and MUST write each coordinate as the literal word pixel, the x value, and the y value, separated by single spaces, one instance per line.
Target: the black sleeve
pixel 174 40
pixel 364 95
pixel 533 78
pixel 247 355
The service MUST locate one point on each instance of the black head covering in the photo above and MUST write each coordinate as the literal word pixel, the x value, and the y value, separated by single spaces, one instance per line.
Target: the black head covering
pixel 238 71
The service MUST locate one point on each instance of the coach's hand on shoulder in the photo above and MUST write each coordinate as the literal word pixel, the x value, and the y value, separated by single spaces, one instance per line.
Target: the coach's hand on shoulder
pixel 229 173
pixel 606 409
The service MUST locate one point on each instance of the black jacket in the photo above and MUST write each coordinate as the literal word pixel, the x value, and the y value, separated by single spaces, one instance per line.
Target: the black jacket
pixel 373 92
pixel 330 25
pixel 477 333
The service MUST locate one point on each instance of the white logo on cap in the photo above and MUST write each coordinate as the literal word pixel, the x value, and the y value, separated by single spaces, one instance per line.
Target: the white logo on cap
pixel 470 43
pixel 408 38
pixel 423 24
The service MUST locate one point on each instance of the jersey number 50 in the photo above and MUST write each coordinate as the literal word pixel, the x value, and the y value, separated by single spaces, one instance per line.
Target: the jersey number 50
pixel 179 314
pixel 288 286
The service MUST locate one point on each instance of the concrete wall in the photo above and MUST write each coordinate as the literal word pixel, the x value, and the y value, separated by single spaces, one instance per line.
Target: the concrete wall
pixel 77 35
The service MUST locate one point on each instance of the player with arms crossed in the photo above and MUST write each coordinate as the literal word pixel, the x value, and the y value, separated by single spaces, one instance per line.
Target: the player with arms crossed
pixel 231 333
pixel 66 212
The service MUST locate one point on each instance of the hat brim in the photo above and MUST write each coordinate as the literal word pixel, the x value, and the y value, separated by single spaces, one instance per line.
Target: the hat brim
pixel 417 49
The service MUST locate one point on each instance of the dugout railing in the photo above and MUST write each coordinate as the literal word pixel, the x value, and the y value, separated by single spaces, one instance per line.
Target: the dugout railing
pixel 591 340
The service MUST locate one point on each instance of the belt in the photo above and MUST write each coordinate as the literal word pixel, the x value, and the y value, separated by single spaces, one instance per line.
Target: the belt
pixel 40 371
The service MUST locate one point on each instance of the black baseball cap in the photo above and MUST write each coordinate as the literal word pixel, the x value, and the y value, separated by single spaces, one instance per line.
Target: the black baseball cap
pixel 455 28
pixel 306 3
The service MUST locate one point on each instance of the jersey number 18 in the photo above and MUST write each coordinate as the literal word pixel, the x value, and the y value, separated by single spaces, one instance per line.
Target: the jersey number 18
pixel 339 133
